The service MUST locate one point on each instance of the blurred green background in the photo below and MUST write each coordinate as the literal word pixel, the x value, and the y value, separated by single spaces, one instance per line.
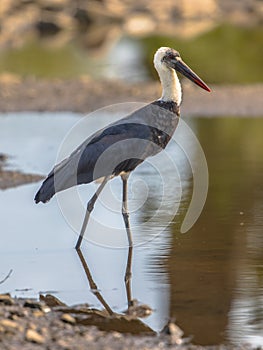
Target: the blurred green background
pixel 62 38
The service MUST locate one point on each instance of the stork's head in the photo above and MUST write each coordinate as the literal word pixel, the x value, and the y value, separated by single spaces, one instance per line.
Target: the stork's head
pixel 166 59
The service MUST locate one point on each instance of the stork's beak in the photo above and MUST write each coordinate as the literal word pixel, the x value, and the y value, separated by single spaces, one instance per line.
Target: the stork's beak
pixel 182 68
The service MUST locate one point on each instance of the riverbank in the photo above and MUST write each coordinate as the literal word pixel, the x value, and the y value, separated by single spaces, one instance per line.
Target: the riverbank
pixel 84 95
pixel 50 324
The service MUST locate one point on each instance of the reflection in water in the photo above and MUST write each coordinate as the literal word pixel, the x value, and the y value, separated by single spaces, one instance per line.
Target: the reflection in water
pixel 131 322
pixel 93 286
pixel 216 268
pixel 247 307
pixel 212 276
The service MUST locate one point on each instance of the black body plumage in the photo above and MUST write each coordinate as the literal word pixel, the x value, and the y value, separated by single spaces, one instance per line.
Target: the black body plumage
pixel 118 148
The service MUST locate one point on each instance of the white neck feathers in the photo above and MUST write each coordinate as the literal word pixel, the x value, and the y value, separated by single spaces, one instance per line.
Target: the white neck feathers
pixel 171 86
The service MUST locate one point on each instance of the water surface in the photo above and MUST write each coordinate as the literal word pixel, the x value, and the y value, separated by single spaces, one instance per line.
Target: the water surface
pixel 210 278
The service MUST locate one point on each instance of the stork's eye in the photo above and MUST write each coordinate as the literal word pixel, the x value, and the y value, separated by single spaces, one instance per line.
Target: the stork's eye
pixel 172 55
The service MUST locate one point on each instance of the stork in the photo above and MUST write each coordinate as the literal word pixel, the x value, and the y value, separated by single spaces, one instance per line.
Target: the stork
pixel 120 147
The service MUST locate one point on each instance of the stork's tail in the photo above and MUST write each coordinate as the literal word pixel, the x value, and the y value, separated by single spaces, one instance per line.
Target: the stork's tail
pixel 46 191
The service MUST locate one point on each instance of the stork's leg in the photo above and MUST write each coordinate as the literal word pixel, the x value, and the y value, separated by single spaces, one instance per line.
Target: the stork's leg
pixel 90 207
pixel 127 278
pixel 125 215
pixel 125 212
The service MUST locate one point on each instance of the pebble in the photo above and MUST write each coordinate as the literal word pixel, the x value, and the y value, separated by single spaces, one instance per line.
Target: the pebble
pixel 68 319
pixel 116 335
pixel 32 326
pixel 62 343
pixel 33 304
pixel 6 299
pixel 14 317
pixel 9 324
pixel 174 332
pixel 38 313
pixel 51 300
pixel 34 337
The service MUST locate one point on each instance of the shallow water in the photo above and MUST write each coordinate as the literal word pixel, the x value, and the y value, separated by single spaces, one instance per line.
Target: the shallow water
pixel 210 278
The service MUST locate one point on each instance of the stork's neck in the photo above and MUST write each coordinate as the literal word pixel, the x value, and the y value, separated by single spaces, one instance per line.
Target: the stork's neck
pixel 171 86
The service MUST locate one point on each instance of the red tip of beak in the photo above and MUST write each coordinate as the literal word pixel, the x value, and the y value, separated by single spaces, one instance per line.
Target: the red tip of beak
pixel 202 85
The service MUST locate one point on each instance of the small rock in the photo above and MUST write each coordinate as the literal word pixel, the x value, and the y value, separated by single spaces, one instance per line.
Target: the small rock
pixel 139 310
pixel 34 337
pixel 38 313
pixel 6 299
pixel 51 301
pixel 36 305
pixel 63 343
pixel 68 319
pixel 33 304
pixel 172 329
pixel 32 326
pixel 45 332
pixel 6 323
pixel 45 309
pixel 116 335
pixel 174 332
pixel 14 317
pixel 88 337
pixel 10 326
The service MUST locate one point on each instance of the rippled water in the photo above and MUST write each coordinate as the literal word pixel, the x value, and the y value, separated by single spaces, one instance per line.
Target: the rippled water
pixel 210 278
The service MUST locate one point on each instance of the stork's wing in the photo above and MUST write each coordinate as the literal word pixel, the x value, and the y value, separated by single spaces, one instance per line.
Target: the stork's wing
pixel 119 147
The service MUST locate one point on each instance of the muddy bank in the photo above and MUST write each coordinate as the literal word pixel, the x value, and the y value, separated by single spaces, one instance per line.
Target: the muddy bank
pixel 9 178
pixel 84 95
pixel 16 178
pixel 50 324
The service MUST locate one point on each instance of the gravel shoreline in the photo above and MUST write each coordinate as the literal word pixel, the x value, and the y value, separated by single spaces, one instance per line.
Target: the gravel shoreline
pixel 30 324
